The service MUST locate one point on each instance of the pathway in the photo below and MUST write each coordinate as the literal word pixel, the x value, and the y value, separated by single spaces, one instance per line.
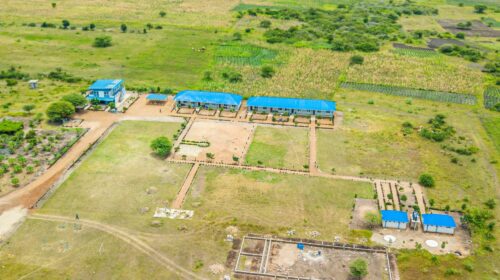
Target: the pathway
pixel 186 129
pixel 419 194
pixel 395 196
pixel 380 196
pixel 179 200
pixel 313 166
pixel 128 238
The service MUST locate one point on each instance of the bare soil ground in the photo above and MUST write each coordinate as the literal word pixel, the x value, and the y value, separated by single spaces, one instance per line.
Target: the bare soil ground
pixel 228 114
pixel 436 42
pixel 205 112
pixel 302 120
pixel 281 119
pixel 459 242
pixel 324 121
pixel 476 29
pixel 362 206
pixel 227 139
pixel 10 220
pixel 187 111
pixel 259 117
pixel 322 263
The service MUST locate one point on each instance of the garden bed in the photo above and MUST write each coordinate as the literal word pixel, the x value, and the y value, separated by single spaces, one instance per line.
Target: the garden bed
pixel 188 111
pixel 302 119
pixel 259 117
pixel 228 114
pixel 206 112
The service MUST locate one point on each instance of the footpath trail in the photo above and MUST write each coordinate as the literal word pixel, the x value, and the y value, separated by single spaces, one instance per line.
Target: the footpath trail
pixel 128 238
pixel 181 196
pixel 313 166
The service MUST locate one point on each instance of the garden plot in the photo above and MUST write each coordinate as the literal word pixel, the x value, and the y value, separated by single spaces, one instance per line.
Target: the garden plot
pixel 477 28
pixel 362 208
pixel 226 140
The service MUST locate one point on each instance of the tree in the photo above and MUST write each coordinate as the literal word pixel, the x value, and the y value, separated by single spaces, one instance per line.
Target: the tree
pixel 426 180
pixel 60 110
pixel 76 99
pixel 237 36
pixel 358 268
pixel 102 42
pixel 163 14
pixel 92 26
pixel 267 72
pixel 357 59
pixel 54 5
pixel 123 27
pixel 28 108
pixel 372 219
pixel 161 146
pixel 65 23
pixel 265 24
pixel 490 203
pixel 480 8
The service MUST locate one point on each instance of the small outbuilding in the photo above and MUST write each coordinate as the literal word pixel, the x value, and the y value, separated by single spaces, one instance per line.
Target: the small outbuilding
pixel 208 100
pixel 107 91
pixel 292 106
pixel 394 219
pixel 157 98
pixel 440 223
pixel 33 84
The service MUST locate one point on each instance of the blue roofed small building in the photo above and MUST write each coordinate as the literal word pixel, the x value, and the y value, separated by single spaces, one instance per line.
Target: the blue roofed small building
pixel 440 223
pixel 107 91
pixel 394 219
pixel 157 98
pixel 208 100
pixel 291 106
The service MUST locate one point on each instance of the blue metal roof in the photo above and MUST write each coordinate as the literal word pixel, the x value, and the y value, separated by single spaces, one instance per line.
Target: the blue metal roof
pixel 291 103
pixel 440 220
pixel 208 97
pixel 394 216
pixel 105 84
pixel 157 97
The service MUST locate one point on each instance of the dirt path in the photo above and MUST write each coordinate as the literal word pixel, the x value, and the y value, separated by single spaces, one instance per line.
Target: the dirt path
pixel 419 194
pixel 127 238
pixel 313 166
pixel 380 197
pixel 178 142
pixel 179 200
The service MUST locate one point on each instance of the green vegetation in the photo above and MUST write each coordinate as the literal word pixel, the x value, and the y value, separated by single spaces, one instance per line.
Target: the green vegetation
pixel 438 130
pixel 10 127
pixel 60 110
pixel 279 147
pixel 267 72
pixel 76 99
pixel 426 180
pixel 414 52
pixel 491 98
pixel 161 146
pixel 244 54
pixel 414 93
pixel 103 42
pixel 465 52
pixel 357 59
pixel 358 268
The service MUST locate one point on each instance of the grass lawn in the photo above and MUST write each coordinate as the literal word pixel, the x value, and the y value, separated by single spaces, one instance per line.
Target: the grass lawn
pixel 279 147
pixel 57 251
pixel 111 184
pixel 371 143
pixel 272 203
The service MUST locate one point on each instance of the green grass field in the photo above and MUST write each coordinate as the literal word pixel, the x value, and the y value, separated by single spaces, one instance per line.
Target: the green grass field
pixel 58 251
pixel 111 185
pixel 279 147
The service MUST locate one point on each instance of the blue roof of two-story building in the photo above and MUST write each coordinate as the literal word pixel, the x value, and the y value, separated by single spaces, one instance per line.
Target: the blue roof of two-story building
pixel 291 103
pixel 105 85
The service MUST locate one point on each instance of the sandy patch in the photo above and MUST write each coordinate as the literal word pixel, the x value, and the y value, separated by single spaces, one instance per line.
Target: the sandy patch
pixel 10 220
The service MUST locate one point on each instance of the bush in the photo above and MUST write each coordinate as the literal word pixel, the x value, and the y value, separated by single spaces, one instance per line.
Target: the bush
pixel 372 219
pixel 480 8
pixel 357 59
pixel 123 27
pixel 60 110
pixel 10 127
pixel 358 268
pixel 76 99
pixel 490 203
pixel 15 182
pixel 11 82
pixel 65 23
pixel 267 72
pixel 102 42
pixel 161 146
pixel 28 108
pixel 163 14
pixel 460 35
pixel 426 180
pixel 265 24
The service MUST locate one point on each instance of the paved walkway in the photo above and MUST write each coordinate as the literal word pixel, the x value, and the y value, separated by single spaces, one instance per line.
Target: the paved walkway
pixel 178 142
pixel 181 196
pixel 128 238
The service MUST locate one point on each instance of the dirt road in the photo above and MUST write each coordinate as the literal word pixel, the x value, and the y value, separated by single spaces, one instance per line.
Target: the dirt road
pixel 128 238
pixel 181 196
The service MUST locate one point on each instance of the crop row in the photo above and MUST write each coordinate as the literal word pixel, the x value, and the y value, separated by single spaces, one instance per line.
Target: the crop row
pixel 491 97
pixel 439 96
pixel 244 54
pixel 415 52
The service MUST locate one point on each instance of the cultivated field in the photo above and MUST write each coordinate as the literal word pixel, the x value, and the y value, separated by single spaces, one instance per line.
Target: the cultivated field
pixel 280 147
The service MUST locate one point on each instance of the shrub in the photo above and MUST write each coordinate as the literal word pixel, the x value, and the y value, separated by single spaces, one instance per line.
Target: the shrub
pixel 460 35
pixel 490 203
pixel 60 75
pixel 65 23
pixel 102 42
pixel 60 110
pixel 10 127
pixel 267 72
pixel 358 268
pixel 357 59
pixel 237 36
pixel 76 99
pixel 163 14
pixel 15 182
pixel 11 82
pixel 480 8
pixel 123 27
pixel 372 219
pixel 161 146
pixel 28 108
pixel 426 180
pixel 265 24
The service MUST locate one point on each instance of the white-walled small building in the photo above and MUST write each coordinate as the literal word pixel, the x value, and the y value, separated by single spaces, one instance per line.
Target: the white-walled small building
pixel 394 219
pixel 439 223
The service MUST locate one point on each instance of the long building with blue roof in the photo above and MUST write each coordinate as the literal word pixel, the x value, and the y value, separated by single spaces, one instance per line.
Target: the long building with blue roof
pixel 208 100
pixel 394 219
pixel 291 106
pixel 440 223
pixel 106 91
